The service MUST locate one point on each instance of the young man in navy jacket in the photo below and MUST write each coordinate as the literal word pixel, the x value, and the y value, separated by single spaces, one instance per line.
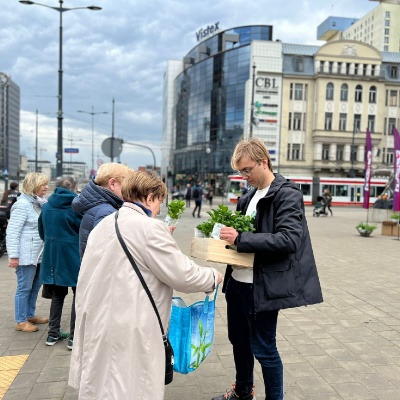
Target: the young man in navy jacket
pixel 284 274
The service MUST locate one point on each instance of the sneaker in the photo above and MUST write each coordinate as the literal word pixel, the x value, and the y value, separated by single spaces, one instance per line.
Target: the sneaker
pixel 70 342
pixel 51 340
pixel 26 327
pixel 231 395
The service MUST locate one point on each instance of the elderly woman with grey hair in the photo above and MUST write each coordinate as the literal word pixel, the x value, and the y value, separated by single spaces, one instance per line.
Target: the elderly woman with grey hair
pixel 24 248
pixel 59 228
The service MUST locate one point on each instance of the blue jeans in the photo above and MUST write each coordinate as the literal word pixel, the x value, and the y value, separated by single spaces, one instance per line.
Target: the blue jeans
pixel 27 291
pixel 253 335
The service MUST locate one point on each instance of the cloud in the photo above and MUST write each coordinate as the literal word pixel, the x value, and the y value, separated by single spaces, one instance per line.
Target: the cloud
pixel 121 52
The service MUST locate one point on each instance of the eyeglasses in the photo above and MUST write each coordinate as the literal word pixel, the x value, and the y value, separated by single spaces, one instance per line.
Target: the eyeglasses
pixel 247 171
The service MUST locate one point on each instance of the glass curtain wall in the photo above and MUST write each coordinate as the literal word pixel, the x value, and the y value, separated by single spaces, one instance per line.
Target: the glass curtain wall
pixel 210 104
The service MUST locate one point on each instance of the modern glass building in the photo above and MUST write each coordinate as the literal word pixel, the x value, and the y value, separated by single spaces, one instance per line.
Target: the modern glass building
pixel 204 104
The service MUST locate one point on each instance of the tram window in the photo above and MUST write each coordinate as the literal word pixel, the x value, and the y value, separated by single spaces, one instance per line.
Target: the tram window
pixel 376 191
pixel 305 189
pixel 341 190
pixel 331 189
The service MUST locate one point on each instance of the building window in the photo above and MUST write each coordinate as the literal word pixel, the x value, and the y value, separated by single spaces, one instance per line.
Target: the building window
pixel 298 91
pixel 325 151
pixel 387 22
pixel 372 94
pixel 388 156
pixel 387 14
pixel 357 122
pixel 296 152
pixel 392 124
pixel 299 64
pixel 385 48
pixel 387 31
pixel 328 121
pixel 329 91
pixel 297 122
pixel 371 123
pixel 393 98
pixel 290 121
pixel 339 152
pixel 393 71
pixel 342 122
pixel 344 92
pixel 291 92
pixel 386 40
pixel 358 94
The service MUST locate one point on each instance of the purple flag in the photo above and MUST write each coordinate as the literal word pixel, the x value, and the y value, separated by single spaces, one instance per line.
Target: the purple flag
pixel 368 166
pixel 396 190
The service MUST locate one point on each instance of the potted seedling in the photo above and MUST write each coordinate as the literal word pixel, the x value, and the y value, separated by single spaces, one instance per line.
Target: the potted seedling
pixel 175 211
pixel 395 217
pixel 365 229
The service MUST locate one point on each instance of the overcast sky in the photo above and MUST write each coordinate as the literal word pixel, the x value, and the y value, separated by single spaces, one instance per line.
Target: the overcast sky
pixel 121 52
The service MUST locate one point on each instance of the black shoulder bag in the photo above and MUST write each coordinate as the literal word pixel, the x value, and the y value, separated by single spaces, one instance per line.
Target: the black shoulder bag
pixel 169 353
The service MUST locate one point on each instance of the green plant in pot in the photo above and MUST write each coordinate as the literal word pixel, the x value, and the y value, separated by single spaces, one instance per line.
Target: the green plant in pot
pixel 365 229
pixel 175 211
pixel 395 217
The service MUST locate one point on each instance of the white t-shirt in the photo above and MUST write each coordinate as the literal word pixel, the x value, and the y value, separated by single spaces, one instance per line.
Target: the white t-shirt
pixel 243 274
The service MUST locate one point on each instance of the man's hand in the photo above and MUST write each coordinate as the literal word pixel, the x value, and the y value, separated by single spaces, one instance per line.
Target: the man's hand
pixel 171 229
pixel 13 262
pixel 228 234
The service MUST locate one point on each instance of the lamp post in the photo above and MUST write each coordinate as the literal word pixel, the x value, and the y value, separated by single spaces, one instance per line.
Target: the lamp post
pixel 252 102
pixel 92 113
pixel 60 10
pixel 352 155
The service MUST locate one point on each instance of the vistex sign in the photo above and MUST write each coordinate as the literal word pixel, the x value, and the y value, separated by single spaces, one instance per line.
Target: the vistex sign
pixel 209 31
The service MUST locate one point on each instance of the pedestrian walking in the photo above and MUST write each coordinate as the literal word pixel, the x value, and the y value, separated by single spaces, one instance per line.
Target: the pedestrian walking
pixel 99 198
pixel 59 228
pixel 198 198
pixel 118 346
pixel 326 195
pixel 10 197
pixel 284 274
pixel 24 248
pixel 188 195
pixel 210 194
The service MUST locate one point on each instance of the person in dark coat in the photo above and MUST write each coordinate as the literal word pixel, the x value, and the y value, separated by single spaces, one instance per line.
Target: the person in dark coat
pixel 59 229
pixel 284 274
pixel 99 198
pixel 197 194
pixel 10 197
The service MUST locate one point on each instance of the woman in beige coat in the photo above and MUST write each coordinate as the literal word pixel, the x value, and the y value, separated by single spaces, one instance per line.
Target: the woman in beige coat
pixel 118 351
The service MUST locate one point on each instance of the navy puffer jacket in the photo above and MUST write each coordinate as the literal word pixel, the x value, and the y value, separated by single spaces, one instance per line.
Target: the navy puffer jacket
pixel 95 202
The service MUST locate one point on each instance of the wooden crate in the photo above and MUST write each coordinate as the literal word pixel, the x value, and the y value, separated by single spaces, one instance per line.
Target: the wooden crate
pixel 216 251
pixel 390 228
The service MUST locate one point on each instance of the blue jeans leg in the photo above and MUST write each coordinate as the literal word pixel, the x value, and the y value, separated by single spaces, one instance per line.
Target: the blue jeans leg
pixel 253 336
pixel 27 291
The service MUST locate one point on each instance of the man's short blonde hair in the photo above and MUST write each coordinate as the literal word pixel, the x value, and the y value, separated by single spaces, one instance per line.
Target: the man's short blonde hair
pixel 254 149
pixel 111 170
pixel 33 182
pixel 139 184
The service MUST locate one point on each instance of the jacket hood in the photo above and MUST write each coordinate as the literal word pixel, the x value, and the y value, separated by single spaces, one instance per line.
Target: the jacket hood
pixel 93 195
pixel 61 198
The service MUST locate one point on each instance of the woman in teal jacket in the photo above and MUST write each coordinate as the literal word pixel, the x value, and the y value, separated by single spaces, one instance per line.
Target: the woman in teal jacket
pixel 59 228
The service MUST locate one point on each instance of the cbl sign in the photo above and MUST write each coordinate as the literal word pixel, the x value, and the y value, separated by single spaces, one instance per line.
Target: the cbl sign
pixel 209 31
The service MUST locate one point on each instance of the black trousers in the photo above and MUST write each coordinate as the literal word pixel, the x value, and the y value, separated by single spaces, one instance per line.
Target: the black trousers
pixel 56 307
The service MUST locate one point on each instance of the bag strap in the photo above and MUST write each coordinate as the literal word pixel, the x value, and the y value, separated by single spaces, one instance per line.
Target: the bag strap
pixel 135 267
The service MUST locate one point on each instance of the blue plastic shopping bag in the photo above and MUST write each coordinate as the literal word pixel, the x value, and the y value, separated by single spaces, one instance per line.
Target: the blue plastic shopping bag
pixel 191 332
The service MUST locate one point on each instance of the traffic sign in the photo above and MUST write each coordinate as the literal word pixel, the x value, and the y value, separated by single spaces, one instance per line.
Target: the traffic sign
pixel 71 150
pixel 99 162
pixel 112 147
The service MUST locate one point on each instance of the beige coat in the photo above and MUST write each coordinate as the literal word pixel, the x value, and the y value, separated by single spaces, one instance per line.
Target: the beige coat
pixel 118 353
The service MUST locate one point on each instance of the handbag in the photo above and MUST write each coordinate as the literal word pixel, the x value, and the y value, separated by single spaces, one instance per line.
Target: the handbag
pixel 191 332
pixel 169 353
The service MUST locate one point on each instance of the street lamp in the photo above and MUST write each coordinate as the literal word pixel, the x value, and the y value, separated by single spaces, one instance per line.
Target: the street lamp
pixel 92 113
pixel 60 10
pixel 252 102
